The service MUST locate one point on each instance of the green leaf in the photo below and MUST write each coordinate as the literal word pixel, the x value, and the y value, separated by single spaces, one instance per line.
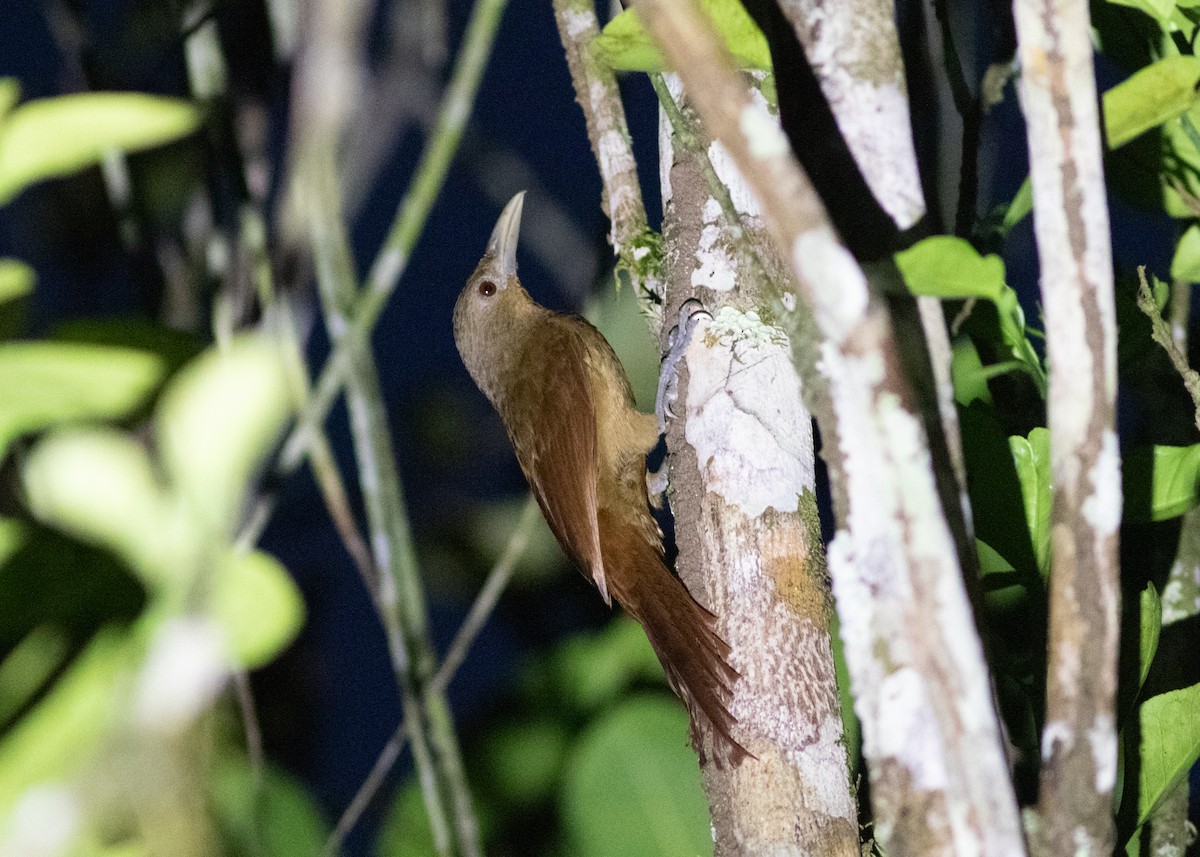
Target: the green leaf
pixel 990 561
pixel 593 669
pixel 950 268
pixel 1148 98
pixel 1031 456
pixel 215 423
pixel 257 603
pixel 99 486
pixel 1160 483
pixel 16 284
pixel 405 832
pixel 1020 206
pixel 947 267
pixel 626 46
pixel 69 722
pixel 58 136
pixel 1150 628
pixel 633 786
pixel 283 821
pixel 28 666
pixel 525 759
pixel 967 374
pixel 1185 265
pixel 1170 744
pixel 10 93
pixel 46 383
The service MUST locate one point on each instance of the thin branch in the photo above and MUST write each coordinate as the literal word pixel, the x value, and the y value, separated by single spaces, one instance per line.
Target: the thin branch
pixel 485 601
pixel 1162 333
pixel 366 792
pixel 638 249
pixel 407 226
pixel 1079 741
pixel 893 559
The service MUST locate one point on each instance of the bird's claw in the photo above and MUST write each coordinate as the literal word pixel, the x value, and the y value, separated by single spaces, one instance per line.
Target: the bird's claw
pixel 691 311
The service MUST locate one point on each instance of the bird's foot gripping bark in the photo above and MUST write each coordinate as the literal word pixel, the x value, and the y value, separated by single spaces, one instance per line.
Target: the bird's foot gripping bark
pixel 691 312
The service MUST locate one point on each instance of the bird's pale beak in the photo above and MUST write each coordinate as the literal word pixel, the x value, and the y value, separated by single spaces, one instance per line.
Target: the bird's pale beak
pixel 502 246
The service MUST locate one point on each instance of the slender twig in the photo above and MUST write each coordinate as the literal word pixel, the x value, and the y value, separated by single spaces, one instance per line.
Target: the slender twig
pixel 1160 332
pixel 485 601
pixel 366 792
pixel 408 224
pixel 638 249
pixel 894 557
pixel 1070 215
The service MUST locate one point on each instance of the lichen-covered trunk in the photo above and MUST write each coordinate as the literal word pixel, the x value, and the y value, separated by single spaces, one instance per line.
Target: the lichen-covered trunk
pixel 742 489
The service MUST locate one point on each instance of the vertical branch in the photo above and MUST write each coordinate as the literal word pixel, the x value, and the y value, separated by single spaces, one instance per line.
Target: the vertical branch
pixel 408 224
pixel 743 481
pixel 637 248
pixel 1079 742
pixel 325 85
pixel 940 781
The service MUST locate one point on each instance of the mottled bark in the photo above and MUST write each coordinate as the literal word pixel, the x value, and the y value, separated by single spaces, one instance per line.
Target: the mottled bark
pixel 1079 741
pixel 742 488
pixel 940 782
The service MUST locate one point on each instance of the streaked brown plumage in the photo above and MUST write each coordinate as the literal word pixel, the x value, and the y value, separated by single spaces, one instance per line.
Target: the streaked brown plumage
pixel 566 402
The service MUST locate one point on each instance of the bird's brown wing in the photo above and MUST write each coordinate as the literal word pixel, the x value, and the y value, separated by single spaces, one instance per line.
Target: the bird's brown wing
pixel 555 439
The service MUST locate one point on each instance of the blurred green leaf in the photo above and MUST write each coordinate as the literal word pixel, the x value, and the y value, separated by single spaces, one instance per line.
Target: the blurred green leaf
pixel 16 284
pixel 633 786
pixel 524 760
pixel 967 374
pixel 99 486
pixel 594 669
pixel 625 45
pixel 10 93
pixel 1021 205
pixel 217 420
pixel 258 605
pixel 1170 745
pixel 57 136
pixel 1149 97
pixel 405 832
pixel 1150 626
pixel 174 347
pixel 27 667
pixel 69 722
pixel 1185 265
pixel 52 382
pixel 13 535
pixel 990 561
pixel 492 524
pixel 1159 10
pixel 1032 458
pixel 285 820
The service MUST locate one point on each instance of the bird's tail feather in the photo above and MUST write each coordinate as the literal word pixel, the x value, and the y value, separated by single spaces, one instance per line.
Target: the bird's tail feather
pixel 682 632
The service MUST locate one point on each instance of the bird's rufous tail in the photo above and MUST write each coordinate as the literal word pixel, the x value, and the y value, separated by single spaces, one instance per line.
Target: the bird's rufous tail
pixel 682 632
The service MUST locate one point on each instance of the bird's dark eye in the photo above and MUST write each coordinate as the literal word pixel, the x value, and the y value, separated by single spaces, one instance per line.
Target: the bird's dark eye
pixel 487 288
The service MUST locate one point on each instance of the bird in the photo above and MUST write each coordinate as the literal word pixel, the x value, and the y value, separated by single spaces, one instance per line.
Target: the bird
pixel 565 400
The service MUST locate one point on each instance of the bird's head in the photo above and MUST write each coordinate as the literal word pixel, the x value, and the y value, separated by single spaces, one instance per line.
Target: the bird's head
pixel 493 306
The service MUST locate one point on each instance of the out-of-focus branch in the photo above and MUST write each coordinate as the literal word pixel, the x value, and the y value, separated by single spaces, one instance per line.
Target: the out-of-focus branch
pixel 939 777
pixel 1165 335
pixel 1079 741
pixel 408 224
pixel 638 249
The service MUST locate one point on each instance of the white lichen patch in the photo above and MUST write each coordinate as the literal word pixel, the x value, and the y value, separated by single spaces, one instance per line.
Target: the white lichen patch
pixel 762 132
pixel 577 21
pixel 836 282
pixel 822 769
pixel 1056 733
pixel 1102 508
pixel 788 299
pixel 1103 740
pixel 716 267
pixel 746 421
